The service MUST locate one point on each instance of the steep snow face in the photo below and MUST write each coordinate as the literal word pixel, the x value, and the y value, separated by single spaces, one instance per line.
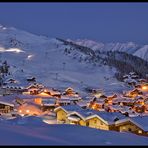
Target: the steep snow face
pixel 129 47
pixel 89 43
pixel 44 58
pixel 142 52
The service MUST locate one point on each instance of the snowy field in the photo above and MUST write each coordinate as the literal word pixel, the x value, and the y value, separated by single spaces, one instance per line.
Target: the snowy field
pixel 44 58
pixel 45 134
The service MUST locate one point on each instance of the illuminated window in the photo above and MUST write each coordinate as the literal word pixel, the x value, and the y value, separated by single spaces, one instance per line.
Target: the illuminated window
pixel 27 111
pixel 123 127
pixel 140 131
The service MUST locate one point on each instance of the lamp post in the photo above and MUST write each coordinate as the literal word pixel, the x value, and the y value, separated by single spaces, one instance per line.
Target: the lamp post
pixel 64 65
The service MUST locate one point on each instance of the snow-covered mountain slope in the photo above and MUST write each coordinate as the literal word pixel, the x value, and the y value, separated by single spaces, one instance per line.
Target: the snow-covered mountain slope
pixel 142 52
pixel 44 58
pixel 45 134
pixel 129 47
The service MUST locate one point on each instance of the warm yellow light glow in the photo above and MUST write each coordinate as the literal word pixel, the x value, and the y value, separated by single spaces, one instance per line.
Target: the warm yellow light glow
pixel 38 101
pixel 20 111
pixel 140 131
pixel 97 95
pixel 43 94
pixel 27 111
pixel 94 106
pixel 142 103
pixel 45 90
pixel 144 87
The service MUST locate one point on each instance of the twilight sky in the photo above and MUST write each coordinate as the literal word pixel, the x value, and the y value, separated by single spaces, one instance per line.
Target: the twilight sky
pixel 107 22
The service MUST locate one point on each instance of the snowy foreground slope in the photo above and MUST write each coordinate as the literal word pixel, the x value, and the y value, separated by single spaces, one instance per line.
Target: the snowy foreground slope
pixel 64 135
pixel 44 58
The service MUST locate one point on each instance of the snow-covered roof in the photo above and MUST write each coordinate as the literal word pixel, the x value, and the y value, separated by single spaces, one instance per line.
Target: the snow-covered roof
pixel 86 112
pixel 132 73
pixel 52 92
pixel 128 100
pixel 109 94
pixel 22 96
pixel 115 107
pixel 116 100
pixel 133 114
pixel 82 103
pixel 68 108
pixel 63 100
pixel 48 102
pixel 100 101
pixel 7 103
pixel 108 117
pixel 130 80
pixel 72 98
pixel 11 99
pixel 13 87
pixel 124 109
pixel 35 85
pixel 73 118
pixel 138 105
pixel 140 121
pixel 126 76
pixel 139 97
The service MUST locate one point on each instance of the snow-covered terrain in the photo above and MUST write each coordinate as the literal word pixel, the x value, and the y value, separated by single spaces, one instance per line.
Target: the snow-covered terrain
pixel 129 47
pixel 44 58
pixel 38 133
pixel 57 65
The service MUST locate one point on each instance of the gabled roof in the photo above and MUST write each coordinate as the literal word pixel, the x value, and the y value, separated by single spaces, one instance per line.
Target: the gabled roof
pixel 63 100
pixel 82 103
pixel 48 102
pixel 74 118
pixel 68 108
pixel 13 87
pixel 80 114
pixel 72 98
pixel 6 103
pixel 106 117
pixel 115 107
pixel 141 121
pixel 69 88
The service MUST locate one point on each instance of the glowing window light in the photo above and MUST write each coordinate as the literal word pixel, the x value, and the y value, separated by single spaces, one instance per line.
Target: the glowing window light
pixel 27 111
pixel 45 90
pixel 144 87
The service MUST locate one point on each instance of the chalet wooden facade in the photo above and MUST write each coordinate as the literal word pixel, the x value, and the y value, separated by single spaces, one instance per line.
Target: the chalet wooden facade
pixel 131 125
pixel 6 107
pixel 90 118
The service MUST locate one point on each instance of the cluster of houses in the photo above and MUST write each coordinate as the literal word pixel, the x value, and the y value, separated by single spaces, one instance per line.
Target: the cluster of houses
pixel 116 121
pixel 36 99
pixel 126 112
pixel 130 103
